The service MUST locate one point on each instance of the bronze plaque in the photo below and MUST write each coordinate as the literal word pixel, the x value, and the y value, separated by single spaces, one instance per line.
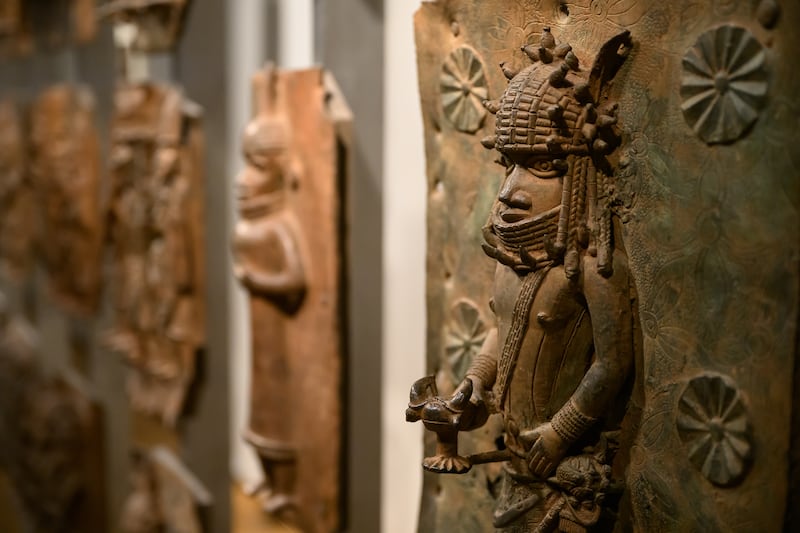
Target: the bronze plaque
pixel 29 24
pixel 17 203
pixel 65 173
pixel 288 254
pixel 9 18
pixel 52 438
pixel 157 23
pixel 156 228
pixel 165 498
pixel 612 266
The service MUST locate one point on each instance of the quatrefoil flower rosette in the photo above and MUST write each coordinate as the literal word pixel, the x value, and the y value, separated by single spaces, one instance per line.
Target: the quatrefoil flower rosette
pixel 713 425
pixel 724 83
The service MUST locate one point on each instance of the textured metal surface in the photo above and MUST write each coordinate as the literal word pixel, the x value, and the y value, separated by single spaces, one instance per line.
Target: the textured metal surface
pixel 707 194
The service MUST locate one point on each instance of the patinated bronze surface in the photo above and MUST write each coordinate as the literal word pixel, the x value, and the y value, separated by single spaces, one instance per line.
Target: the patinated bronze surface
pixel 157 23
pixel 52 438
pixel 17 206
pixel 29 24
pixel 165 496
pixel 155 219
pixel 288 255
pixel 640 291
pixel 9 18
pixel 65 173
pixel 10 25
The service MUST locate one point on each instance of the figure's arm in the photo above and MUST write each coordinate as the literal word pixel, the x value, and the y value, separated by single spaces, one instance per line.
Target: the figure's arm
pixel 288 281
pixel 609 303
pixel 610 308
pixel 483 370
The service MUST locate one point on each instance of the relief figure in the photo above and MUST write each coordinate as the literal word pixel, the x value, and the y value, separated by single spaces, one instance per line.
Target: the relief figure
pixel 155 216
pixel 171 313
pixel 269 264
pixel 65 176
pixel 558 365
pixel 52 436
pixel 16 198
pixel 127 216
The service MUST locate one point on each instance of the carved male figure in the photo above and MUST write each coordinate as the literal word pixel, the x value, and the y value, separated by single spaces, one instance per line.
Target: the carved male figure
pixel 65 175
pixel 269 264
pixel 173 288
pixel 156 218
pixel 128 213
pixel 557 366
pixel 16 200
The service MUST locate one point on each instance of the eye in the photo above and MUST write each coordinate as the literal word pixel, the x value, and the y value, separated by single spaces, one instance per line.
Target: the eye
pixel 545 168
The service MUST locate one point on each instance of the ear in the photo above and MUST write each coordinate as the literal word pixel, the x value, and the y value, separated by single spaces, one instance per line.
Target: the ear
pixel 610 58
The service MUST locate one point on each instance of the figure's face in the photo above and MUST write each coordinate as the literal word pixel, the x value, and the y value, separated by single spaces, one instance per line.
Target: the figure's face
pixel 265 179
pixel 266 161
pixel 532 186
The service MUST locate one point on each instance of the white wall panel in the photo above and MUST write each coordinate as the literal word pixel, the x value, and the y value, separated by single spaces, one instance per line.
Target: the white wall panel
pixel 404 270
pixel 247 22
pixel 295 33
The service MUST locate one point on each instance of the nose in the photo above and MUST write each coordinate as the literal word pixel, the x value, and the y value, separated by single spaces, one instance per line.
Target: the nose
pixel 511 194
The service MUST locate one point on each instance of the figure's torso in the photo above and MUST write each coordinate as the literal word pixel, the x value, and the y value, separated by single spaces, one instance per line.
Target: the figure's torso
pixel 556 349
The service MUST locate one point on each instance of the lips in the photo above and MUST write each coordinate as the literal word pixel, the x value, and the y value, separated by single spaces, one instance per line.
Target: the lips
pixel 511 216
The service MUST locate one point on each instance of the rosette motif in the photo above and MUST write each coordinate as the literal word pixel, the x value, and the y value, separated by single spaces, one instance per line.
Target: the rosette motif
pixel 724 83
pixel 713 424
pixel 465 335
pixel 463 88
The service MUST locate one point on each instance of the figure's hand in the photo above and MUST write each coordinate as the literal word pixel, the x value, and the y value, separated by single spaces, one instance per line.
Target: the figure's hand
pixel 546 451
pixel 467 391
pixel 468 398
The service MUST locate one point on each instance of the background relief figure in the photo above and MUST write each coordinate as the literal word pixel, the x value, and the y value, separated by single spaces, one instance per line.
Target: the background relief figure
pixel 269 265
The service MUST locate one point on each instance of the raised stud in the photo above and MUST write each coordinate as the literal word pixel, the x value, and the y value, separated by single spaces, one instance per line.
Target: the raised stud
pixel 562 50
pixel 531 51
pixel 555 112
pixel 590 112
pixel 589 132
pixel 547 40
pixel 492 106
pixel 559 75
pixel 600 145
pixel 571 61
pixel 583 93
pixel 604 121
pixel 508 72
pixel 489 142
